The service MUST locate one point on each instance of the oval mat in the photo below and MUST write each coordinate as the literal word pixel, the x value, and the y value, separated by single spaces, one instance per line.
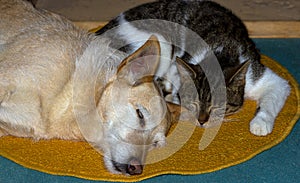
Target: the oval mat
pixel 232 145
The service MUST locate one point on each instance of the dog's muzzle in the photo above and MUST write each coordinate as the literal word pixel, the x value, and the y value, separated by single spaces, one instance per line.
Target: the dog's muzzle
pixel 134 167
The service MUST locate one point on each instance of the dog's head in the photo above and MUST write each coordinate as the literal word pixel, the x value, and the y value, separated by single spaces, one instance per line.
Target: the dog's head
pixel 135 116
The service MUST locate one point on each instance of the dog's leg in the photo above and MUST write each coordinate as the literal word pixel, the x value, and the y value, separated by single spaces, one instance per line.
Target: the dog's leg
pixel 2 98
pixel 20 111
pixel 5 93
pixel 2 133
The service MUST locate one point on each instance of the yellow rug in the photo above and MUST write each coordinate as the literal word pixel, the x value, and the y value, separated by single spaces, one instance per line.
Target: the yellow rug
pixel 232 145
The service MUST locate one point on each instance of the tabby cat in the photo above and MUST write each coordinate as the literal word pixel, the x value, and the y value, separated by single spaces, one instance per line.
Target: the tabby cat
pixel 227 37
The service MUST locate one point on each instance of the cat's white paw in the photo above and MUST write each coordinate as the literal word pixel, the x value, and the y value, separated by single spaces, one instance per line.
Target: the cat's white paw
pixel 260 127
pixel 172 99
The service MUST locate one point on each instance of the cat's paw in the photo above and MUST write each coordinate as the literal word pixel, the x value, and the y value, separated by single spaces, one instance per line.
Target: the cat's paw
pixel 260 127
pixel 172 99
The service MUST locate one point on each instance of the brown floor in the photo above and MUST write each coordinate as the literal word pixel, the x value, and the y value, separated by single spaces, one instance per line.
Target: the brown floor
pixel 104 10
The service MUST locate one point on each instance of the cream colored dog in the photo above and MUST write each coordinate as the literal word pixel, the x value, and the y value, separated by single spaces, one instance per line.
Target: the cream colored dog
pixel 46 64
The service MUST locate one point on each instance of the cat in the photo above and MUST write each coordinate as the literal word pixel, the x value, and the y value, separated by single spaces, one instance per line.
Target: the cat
pixel 225 35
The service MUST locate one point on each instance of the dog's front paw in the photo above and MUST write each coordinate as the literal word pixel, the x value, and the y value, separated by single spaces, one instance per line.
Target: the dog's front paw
pixel 260 127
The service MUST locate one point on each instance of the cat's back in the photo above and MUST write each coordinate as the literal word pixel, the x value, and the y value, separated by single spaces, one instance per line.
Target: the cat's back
pixel 207 15
pixel 218 26
pixel 215 24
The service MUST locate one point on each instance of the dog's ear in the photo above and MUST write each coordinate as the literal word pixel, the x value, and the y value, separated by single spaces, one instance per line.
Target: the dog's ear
pixel 142 63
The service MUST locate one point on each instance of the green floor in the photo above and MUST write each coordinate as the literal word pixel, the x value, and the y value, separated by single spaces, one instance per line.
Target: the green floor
pixel 278 164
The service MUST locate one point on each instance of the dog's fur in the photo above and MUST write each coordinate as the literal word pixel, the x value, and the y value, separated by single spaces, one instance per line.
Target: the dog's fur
pixel 39 54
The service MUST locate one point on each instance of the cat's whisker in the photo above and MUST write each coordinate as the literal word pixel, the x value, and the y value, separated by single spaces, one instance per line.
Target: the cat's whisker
pixel 231 120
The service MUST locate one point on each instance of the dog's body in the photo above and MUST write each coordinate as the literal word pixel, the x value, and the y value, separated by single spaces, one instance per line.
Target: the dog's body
pixel 37 61
pixel 40 53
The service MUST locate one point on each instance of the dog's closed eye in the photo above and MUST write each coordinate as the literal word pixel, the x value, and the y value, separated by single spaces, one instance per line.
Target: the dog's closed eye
pixel 141 117
pixel 139 114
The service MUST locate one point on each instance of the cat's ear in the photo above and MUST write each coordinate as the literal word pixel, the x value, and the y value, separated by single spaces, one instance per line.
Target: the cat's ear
pixel 180 113
pixel 184 68
pixel 236 75
pixel 143 62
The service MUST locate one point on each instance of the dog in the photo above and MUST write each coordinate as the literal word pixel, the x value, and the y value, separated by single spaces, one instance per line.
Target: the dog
pixel 46 64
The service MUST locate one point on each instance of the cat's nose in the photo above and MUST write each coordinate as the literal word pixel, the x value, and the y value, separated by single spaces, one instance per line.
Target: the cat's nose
pixel 203 118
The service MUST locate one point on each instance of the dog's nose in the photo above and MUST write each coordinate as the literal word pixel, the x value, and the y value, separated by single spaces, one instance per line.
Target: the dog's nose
pixel 134 167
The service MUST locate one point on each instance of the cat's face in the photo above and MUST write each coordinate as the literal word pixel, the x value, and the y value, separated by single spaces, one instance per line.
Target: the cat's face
pixel 235 83
pixel 208 105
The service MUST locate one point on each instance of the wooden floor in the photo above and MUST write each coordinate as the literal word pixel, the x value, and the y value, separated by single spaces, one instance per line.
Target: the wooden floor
pixel 257 29
pixel 274 29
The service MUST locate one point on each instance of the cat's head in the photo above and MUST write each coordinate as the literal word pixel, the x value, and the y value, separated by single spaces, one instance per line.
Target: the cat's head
pixel 235 81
